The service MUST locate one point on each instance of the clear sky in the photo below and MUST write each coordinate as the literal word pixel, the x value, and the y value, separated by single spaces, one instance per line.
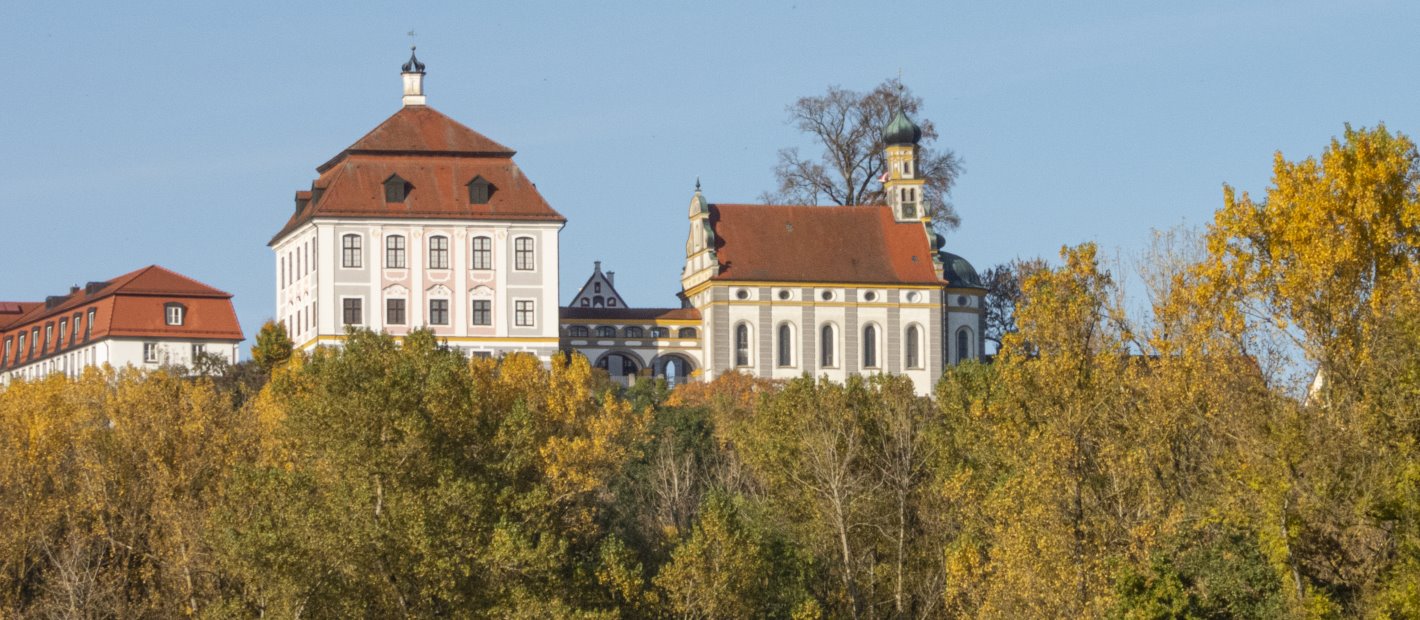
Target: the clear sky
pixel 134 133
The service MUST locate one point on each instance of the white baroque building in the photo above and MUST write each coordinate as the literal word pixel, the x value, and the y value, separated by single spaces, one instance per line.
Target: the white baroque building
pixel 146 318
pixel 422 222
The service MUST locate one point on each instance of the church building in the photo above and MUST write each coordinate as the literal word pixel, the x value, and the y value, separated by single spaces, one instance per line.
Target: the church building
pixel 424 222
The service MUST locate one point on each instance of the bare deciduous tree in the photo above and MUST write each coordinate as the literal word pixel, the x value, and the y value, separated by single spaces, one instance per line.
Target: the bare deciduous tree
pixel 848 125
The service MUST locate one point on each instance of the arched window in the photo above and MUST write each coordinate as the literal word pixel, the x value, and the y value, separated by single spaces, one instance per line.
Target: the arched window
pixel 686 332
pixel 634 332
pixel 606 331
pixel 742 345
pixel 438 252
pixel 394 252
pixel 660 332
pixel 349 252
pixel 826 346
pixel 577 331
pixel 963 345
pixel 913 347
pixel 482 253
pixel 786 345
pixel 870 347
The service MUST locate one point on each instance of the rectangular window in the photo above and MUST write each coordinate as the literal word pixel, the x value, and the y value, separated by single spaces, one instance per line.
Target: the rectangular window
pixel 63 327
pixel 352 310
pixel 48 336
pixel 482 253
pixel 523 313
pixel 89 324
pixel 5 358
pixel 438 312
pixel 34 341
pixel 175 314
pixel 394 311
pixel 350 251
pixel 523 254
pixel 394 252
pixel 20 350
pixel 438 252
pixel 74 336
pixel 150 352
pixel 198 350
pixel 482 312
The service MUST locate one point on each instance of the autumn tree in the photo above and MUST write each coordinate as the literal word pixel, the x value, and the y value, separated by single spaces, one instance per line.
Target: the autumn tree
pixel 846 126
pixel 273 346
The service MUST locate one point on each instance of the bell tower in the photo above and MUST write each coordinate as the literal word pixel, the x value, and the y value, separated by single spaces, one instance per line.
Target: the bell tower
pixel 902 182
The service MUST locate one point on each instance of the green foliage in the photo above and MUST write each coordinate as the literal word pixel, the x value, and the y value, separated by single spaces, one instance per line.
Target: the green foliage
pixel 273 346
pixel 1101 466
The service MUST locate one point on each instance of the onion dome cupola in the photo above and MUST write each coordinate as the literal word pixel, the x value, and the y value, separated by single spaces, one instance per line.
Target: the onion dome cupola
pixel 413 73
pixel 901 131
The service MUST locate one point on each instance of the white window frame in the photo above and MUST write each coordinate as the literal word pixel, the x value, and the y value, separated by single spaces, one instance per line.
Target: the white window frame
pixel 532 254
pixel 363 311
pixel 779 345
pixel 834 350
pixel 448 312
pixel 401 252
pixel 359 250
pixel 175 314
pixel 150 353
pixel 748 348
pixel 475 252
pixel 877 343
pixel 445 252
pixel 518 312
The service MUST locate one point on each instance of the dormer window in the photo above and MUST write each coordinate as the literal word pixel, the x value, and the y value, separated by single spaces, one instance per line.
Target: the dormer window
pixel 175 313
pixel 479 191
pixel 396 189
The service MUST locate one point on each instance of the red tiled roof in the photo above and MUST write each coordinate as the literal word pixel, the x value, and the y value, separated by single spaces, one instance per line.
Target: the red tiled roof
pixel 13 311
pixel 130 305
pixel 794 243
pixel 422 129
pixel 630 314
pixel 438 157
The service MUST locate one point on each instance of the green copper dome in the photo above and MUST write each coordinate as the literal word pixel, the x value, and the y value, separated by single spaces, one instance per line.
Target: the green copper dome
pixel 958 272
pixel 902 131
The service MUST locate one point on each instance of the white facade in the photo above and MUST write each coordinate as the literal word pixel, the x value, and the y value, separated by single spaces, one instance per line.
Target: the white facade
pixel 485 301
pixel 150 354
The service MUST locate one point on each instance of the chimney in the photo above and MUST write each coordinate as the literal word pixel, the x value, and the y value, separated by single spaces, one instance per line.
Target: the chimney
pixel 413 74
pixel 73 289
pixel 611 278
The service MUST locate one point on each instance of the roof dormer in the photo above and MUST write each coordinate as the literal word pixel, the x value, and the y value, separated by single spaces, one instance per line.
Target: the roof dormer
pixel 396 189
pixel 480 191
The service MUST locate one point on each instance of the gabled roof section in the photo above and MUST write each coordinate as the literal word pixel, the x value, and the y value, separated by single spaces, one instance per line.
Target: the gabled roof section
pixel 795 243
pixel 598 292
pixel 422 130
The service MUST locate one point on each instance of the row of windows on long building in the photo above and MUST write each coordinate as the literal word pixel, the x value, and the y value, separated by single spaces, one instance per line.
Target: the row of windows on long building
pixel 785 349
pixel 607 331
pixel 297 262
pixel 352 312
pixel 28 347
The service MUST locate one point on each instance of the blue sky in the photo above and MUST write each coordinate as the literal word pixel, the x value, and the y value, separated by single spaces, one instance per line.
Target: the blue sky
pixel 176 133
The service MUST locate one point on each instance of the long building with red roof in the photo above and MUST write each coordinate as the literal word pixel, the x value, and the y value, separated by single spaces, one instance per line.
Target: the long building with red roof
pixel 145 318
